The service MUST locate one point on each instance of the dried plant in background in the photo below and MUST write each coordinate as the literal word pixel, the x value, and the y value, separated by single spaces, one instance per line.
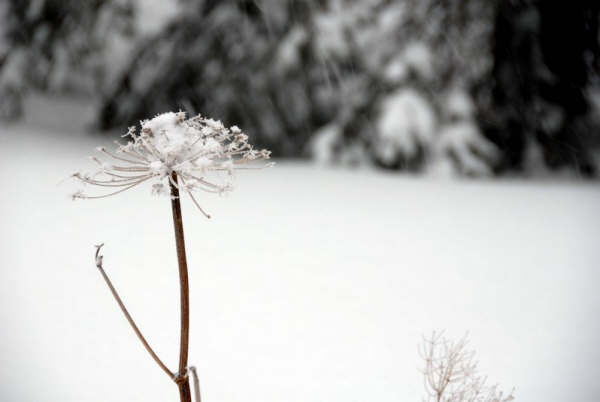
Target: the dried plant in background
pixel 450 373
pixel 179 155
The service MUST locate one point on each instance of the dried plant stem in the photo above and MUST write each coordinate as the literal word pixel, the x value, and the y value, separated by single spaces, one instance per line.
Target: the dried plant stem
pixel 127 315
pixel 181 378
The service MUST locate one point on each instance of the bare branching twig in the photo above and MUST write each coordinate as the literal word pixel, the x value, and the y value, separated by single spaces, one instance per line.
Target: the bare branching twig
pixel 450 373
pixel 99 259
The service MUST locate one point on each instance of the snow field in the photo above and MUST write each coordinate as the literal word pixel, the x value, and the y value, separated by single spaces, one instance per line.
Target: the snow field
pixel 310 283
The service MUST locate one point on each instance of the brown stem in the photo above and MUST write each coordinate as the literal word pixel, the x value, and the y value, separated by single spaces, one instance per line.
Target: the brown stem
pixel 127 315
pixel 182 379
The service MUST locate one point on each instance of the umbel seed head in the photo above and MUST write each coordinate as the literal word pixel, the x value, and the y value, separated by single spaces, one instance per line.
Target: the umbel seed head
pixel 201 153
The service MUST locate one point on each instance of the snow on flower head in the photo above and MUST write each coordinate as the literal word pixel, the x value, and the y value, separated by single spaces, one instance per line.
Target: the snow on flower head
pixel 186 154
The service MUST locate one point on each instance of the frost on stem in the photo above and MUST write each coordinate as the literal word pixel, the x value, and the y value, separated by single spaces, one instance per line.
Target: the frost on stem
pixel 201 151
pixel 450 373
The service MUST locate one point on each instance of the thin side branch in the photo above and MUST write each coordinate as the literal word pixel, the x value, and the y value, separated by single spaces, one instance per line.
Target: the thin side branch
pixel 126 313
pixel 197 397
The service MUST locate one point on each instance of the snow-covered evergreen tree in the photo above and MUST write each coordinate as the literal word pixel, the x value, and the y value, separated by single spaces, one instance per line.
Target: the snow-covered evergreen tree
pixel 57 45
pixel 537 99
pixel 421 59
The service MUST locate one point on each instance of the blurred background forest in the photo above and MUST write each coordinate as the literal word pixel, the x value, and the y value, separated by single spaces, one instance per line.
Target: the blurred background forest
pixel 471 88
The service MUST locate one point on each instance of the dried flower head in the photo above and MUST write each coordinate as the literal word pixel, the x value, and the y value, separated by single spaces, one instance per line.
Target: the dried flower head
pixel 197 151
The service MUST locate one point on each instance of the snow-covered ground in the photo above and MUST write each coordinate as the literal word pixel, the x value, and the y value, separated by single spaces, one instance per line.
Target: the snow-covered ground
pixel 309 284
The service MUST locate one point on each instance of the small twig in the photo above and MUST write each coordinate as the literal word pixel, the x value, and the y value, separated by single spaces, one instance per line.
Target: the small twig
pixel 99 258
pixel 196 384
